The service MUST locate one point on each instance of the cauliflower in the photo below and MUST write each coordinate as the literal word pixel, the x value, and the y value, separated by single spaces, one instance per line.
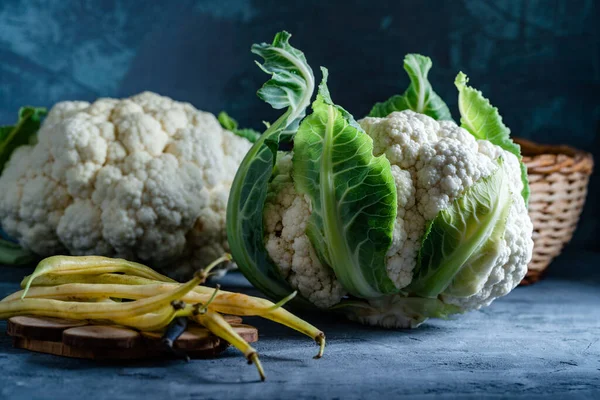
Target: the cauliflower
pixel 443 161
pixel 432 164
pixel 144 178
pixel 391 220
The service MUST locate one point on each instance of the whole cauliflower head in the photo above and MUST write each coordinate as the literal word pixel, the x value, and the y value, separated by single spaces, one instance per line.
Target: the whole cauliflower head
pixel 433 163
pixel 144 178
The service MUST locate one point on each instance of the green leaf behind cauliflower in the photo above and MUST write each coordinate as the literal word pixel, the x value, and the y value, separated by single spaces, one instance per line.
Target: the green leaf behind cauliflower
pixel 483 121
pixel 23 132
pixel 419 96
pixel 231 125
pixel 11 137
pixel 13 254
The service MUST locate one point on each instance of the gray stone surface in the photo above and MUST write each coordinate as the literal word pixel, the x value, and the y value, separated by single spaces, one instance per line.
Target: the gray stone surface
pixel 540 341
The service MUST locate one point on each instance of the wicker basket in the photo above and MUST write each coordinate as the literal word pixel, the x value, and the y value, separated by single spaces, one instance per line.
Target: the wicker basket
pixel 558 177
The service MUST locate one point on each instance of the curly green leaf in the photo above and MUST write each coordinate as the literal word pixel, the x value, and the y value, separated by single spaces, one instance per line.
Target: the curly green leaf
pixel 419 96
pixel 483 121
pixel 291 86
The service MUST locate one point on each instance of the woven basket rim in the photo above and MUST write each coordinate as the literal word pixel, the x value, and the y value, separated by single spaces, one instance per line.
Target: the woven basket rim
pixel 547 158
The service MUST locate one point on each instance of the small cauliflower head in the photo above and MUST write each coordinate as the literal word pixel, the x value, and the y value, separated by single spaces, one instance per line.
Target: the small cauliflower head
pixel 143 178
pixel 433 163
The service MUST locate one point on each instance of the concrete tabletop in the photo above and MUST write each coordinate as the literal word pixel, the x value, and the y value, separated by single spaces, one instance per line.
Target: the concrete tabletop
pixel 540 341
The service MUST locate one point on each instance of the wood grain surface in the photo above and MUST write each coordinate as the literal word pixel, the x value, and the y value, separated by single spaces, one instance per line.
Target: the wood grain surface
pixel 80 339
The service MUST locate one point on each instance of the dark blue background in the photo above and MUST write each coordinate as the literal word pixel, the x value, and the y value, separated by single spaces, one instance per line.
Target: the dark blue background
pixel 538 61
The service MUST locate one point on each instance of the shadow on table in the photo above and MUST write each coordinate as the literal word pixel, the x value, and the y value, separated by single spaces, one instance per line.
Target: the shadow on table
pixel 150 369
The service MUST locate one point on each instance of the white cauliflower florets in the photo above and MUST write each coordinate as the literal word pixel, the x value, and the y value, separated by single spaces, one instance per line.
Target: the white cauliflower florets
pixel 286 214
pixel 145 178
pixel 433 163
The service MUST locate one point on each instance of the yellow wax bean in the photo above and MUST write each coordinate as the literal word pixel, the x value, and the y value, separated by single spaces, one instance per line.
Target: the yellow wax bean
pixel 92 265
pixel 80 310
pixel 225 302
pixel 155 321
pixel 215 323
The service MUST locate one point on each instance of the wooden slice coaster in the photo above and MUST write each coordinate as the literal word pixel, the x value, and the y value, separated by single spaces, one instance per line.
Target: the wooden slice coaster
pixel 195 343
pixel 247 332
pixel 200 338
pixel 61 349
pixel 41 328
pixel 232 319
pixel 195 337
pixel 79 339
pixel 102 337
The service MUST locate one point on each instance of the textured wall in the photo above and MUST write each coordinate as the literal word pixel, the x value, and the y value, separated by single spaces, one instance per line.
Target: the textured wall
pixel 538 60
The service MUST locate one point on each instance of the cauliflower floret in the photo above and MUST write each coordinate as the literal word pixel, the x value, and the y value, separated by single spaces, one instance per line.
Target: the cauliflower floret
pixel 515 251
pixel 443 161
pixel 433 163
pixel 145 178
pixel 405 245
pixel 285 217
